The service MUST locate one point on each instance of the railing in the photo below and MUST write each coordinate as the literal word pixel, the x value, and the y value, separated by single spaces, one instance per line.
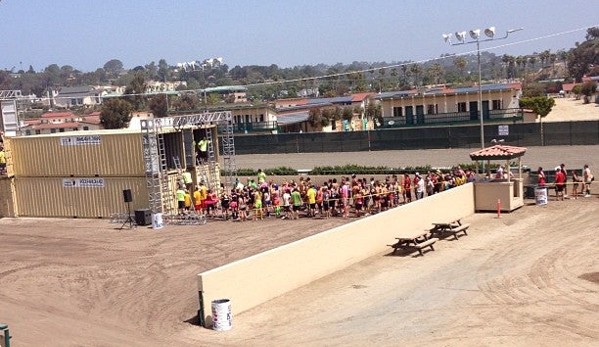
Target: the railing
pixel 511 114
pixel 256 127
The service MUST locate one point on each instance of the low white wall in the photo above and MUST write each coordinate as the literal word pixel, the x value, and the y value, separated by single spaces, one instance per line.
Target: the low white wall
pixel 251 281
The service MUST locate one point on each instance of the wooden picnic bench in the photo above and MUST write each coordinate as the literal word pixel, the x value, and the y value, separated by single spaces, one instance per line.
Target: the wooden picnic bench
pixel 414 239
pixel 428 243
pixel 454 227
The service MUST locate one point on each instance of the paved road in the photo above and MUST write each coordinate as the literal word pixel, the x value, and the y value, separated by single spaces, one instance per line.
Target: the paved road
pixel 548 157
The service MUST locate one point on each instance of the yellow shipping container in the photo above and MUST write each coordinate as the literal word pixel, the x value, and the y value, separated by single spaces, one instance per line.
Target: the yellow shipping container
pixel 7 198
pixel 103 153
pixel 87 197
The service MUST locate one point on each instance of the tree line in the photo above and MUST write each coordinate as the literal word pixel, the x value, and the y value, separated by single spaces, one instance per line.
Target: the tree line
pixel 268 83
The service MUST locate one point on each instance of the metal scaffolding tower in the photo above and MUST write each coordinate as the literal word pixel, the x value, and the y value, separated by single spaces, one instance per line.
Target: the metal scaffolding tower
pixel 161 198
pixel 10 94
pixel 224 119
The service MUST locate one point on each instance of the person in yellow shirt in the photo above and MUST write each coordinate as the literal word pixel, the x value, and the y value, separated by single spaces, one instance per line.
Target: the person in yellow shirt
pixel 187 201
pixel 311 195
pixel 197 199
pixel 2 161
pixel 203 150
pixel 203 194
pixel 180 195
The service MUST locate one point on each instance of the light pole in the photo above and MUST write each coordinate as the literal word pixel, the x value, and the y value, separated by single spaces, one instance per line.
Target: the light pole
pixel 475 35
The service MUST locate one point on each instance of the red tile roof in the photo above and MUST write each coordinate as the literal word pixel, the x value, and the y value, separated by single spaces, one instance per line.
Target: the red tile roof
pixel 498 152
pixel 92 119
pixel 567 87
pixel 55 126
pixel 58 115
pixel 359 97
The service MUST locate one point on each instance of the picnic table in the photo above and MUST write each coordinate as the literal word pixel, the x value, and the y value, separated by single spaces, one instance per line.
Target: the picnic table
pixel 454 227
pixel 415 239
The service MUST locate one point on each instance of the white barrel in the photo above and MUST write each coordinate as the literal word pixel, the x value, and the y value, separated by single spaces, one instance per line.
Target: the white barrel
pixel 541 196
pixel 221 315
pixel 157 221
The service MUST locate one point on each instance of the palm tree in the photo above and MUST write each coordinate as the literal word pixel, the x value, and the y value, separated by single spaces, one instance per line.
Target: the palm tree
pixel 460 63
pixel 552 60
pixel 519 62
pixel 404 69
pixel 382 72
pixel 545 57
pixel 416 70
pixel 532 60
pixel 506 62
pixel 394 75
pixel 435 72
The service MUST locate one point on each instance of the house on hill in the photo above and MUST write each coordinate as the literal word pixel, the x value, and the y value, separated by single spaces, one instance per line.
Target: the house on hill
pixel 58 122
pixel 78 96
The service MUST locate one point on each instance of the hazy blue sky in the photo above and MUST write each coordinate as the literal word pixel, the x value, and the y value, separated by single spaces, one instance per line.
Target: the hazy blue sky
pixel 86 34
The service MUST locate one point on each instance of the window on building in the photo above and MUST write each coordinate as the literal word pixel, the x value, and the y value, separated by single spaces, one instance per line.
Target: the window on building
pixel 497 104
pixel 61 130
pixel 398 111
pixel 462 107
pixel 432 109
pixel 52 131
pixel 27 132
pixel 86 128
pixel 37 132
pixel 261 118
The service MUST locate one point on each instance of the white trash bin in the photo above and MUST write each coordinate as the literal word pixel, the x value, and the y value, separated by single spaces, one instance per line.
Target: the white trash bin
pixel 541 196
pixel 157 221
pixel 221 315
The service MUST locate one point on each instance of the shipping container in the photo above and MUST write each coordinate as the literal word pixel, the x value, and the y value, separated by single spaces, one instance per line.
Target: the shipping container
pixel 102 153
pixel 87 197
pixel 7 197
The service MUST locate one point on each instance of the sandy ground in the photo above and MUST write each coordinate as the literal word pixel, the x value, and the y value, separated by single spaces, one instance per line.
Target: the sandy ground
pixel 529 278
pixel 570 109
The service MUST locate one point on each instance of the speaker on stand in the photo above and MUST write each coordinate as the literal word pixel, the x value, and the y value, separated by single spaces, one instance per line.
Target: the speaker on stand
pixel 128 198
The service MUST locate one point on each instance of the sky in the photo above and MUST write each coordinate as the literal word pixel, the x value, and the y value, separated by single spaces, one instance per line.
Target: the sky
pixel 86 34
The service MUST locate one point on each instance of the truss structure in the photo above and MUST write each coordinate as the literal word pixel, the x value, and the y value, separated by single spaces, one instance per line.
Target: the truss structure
pixel 160 195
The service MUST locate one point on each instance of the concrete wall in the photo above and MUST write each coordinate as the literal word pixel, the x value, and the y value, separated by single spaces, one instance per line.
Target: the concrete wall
pixel 259 278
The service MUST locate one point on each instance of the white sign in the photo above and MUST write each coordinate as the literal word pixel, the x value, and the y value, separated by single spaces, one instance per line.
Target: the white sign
pixel 83 140
pixel 10 123
pixel 94 182
pixel 504 130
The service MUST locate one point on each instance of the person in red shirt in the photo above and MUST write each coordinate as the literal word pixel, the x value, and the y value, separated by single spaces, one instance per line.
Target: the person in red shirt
pixel 560 183
pixel 541 175
pixel 407 189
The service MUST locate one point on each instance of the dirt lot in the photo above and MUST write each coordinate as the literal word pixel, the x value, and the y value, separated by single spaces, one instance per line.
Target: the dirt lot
pixel 529 278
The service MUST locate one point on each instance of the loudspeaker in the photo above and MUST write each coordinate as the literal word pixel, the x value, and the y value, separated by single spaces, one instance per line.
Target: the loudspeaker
pixel 143 217
pixel 127 196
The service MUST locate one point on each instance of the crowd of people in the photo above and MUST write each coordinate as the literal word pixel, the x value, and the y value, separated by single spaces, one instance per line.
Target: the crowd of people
pixel 260 198
pixel 581 184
